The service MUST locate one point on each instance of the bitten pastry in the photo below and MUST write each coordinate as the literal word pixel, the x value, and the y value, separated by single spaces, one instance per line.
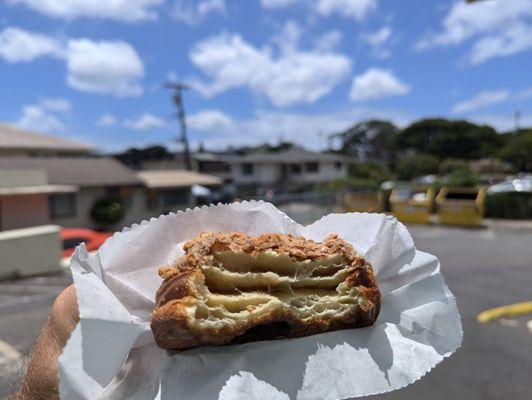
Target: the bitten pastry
pixel 235 288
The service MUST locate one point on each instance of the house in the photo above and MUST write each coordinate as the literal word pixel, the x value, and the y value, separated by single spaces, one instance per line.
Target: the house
pixel 24 195
pixel 18 142
pixel 170 190
pixel 291 170
pixel 213 164
pixel 93 177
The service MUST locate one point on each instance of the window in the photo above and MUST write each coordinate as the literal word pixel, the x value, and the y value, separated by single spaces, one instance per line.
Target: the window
pixel 247 169
pixel 338 165
pixel 168 198
pixel 312 167
pixel 295 169
pixel 62 205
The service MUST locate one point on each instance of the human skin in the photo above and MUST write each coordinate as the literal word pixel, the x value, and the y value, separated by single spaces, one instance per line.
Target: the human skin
pixel 42 376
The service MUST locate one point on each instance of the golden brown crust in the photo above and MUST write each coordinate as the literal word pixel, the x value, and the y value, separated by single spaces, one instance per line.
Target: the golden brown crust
pixel 173 327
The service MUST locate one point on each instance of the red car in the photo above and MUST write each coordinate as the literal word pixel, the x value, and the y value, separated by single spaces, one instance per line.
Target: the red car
pixel 71 237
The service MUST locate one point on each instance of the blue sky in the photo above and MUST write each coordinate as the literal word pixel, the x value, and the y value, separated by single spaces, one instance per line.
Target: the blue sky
pixel 261 70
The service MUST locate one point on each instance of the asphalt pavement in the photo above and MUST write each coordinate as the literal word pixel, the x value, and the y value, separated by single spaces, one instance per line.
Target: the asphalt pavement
pixel 484 268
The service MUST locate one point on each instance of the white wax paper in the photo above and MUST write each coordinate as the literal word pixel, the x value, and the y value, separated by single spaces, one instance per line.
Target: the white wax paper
pixel 112 354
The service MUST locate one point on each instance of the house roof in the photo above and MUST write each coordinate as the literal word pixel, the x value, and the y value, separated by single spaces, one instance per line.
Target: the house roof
pixel 290 156
pixel 12 138
pixel 80 171
pixel 28 181
pixel 158 179
pixel 209 157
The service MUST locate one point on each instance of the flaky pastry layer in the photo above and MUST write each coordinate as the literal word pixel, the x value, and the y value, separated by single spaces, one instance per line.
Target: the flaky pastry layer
pixel 233 288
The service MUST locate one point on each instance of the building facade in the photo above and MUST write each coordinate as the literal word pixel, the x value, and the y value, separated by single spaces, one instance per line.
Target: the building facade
pixel 293 170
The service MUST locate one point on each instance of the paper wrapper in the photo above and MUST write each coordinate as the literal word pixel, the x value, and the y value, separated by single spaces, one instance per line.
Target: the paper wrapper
pixel 112 354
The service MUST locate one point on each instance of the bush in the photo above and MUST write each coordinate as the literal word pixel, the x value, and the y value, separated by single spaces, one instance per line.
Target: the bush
pixel 512 205
pixel 461 177
pixel 417 165
pixel 371 170
pixel 450 165
pixel 108 211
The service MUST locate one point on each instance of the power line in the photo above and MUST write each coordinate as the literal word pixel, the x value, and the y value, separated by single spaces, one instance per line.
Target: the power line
pixel 177 98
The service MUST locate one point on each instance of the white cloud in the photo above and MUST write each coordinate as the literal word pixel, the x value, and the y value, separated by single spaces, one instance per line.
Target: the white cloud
pixel 481 100
pixel 17 45
pixel 512 40
pixel 376 83
pixel 356 9
pixel 289 78
pixel 287 39
pixel 119 10
pixel 523 94
pixel 107 67
pixel 145 122
pixel 210 121
pixel 308 130
pixel 106 120
pixel 44 116
pixel 329 41
pixel 380 37
pixel 56 104
pixel 499 28
pixel 193 12
pixel 277 3
pixel 378 41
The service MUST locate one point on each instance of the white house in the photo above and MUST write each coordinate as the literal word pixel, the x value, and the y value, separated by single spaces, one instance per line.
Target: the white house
pixel 293 169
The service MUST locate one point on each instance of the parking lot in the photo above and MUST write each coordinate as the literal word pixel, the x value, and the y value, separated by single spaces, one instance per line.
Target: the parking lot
pixel 484 268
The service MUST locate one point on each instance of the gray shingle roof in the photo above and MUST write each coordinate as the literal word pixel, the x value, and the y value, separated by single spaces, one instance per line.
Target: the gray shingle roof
pixel 12 138
pixel 80 171
pixel 291 156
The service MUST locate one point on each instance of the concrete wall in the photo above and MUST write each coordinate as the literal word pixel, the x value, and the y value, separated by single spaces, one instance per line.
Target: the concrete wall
pixel 30 251
pixel 22 211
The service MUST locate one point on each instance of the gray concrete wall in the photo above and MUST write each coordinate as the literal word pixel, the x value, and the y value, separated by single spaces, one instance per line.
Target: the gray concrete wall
pixel 30 251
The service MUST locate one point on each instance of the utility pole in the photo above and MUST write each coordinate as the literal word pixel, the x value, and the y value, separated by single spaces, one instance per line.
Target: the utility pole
pixel 177 98
pixel 517 117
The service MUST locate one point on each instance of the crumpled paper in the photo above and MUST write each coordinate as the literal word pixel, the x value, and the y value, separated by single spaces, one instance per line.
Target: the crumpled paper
pixel 112 354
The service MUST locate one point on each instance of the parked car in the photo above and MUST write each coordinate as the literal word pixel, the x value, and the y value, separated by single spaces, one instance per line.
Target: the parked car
pixel 72 237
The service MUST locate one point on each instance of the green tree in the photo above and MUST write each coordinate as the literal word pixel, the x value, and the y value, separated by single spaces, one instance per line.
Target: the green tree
pixel 450 165
pixel 417 165
pixel 372 140
pixel 518 150
pixel 446 138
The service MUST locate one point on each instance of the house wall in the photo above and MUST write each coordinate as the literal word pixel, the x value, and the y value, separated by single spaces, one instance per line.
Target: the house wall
pixel 136 208
pixel 269 174
pixel 327 171
pixel 23 211
pixel 85 198
pixel 263 174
